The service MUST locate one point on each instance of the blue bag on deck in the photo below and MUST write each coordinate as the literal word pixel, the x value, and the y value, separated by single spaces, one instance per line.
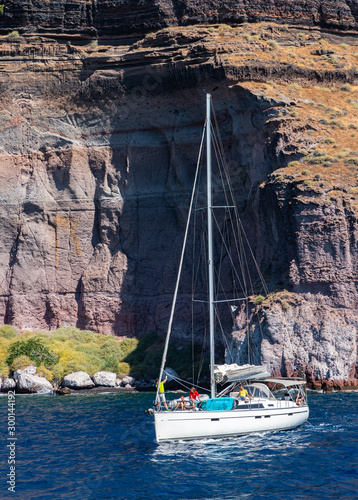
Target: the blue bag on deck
pixel 218 404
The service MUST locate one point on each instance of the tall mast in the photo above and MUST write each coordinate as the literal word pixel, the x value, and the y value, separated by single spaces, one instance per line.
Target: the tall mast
pixel 210 245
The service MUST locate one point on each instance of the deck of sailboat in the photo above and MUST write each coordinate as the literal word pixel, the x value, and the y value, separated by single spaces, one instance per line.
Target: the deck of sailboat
pixel 254 404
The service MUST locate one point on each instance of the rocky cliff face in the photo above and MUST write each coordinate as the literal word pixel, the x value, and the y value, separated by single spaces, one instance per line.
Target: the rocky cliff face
pixel 118 17
pixel 97 157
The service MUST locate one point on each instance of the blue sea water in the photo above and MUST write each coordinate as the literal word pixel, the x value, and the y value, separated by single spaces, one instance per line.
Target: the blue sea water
pixel 99 447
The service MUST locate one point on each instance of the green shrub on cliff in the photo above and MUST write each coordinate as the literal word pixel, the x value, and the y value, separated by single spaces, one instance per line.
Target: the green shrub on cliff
pixel 65 350
pixel 4 370
pixel 272 43
pixel 4 367
pixel 83 350
pixel 21 362
pixel 71 332
pixel 34 349
pixel 42 371
pixel 124 368
pixel 110 364
pixel 8 332
pixel 2 8
pixel 72 360
pixel 13 35
pixel 259 300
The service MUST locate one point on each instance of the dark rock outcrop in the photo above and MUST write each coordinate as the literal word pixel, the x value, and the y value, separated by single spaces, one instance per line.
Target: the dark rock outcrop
pixel 63 391
pixel 123 17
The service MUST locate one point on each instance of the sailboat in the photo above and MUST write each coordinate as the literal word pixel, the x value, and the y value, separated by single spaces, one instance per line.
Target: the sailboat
pixel 226 414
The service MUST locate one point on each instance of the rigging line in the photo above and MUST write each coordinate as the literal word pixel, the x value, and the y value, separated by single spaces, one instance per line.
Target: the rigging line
pixel 256 312
pixel 225 166
pixel 222 152
pixel 194 279
pixel 180 266
pixel 217 273
pixel 232 316
pixel 180 381
pixel 220 301
pixel 219 152
pixel 239 253
pixel 230 388
pixel 229 255
pixel 248 335
pixel 192 342
pixel 255 262
pixel 202 257
pixel 201 360
pixel 226 299
pixel 205 309
pixel 226 172
pixel 223 334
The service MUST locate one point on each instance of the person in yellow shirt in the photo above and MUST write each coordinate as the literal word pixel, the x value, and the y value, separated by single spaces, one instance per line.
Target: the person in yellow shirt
pixel 243 394
pixel 161 394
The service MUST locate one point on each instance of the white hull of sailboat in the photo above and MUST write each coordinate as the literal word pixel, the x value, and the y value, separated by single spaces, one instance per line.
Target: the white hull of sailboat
pixel 187 425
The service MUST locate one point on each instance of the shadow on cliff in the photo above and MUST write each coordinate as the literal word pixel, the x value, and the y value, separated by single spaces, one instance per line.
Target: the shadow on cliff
pixel 189 361
pixel 143 192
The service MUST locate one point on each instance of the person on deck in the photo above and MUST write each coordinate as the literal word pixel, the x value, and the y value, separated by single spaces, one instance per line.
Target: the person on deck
pixel 194 397
pixel 161 394
pixel 181 403
pixel 299 399
pixel 243 394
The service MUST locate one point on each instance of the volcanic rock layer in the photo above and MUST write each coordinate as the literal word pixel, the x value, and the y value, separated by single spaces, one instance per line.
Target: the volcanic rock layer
pixel 114 17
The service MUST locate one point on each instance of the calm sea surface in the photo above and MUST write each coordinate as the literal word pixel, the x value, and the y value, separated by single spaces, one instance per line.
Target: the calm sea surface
pixel 99 447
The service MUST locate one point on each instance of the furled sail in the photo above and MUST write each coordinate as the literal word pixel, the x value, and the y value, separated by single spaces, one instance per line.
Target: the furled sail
pixel 232 373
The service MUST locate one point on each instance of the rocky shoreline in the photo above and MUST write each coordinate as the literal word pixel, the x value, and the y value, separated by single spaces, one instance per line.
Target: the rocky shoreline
pixel 26 381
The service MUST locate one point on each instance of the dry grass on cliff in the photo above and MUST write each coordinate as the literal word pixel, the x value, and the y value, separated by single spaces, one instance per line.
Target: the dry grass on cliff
pixel 307 68
pixel 282 44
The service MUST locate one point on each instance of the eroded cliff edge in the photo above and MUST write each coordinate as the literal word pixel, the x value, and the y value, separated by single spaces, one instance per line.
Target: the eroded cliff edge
pixel 97 157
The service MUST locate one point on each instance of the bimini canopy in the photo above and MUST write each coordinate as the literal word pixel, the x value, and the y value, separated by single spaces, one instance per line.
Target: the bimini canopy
pixel 234 373
pixel 287 382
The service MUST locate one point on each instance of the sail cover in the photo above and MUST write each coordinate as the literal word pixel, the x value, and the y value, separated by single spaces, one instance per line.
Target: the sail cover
pixel 287 382
pixel 233 373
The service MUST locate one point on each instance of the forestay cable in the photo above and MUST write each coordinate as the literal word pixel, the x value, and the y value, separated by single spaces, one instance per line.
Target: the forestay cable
pixel 164 358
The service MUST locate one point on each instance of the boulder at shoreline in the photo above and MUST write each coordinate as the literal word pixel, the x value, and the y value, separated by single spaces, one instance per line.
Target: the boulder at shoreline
pixel 106 379
pixel 8 384
pixel 33 383
pixel 63 391
pixel 27 381
pixel 127 380
pixel 78 380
